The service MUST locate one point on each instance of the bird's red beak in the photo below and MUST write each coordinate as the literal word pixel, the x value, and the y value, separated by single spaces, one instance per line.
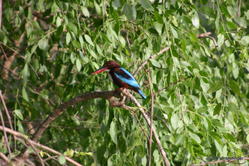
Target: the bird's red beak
pixel 100 70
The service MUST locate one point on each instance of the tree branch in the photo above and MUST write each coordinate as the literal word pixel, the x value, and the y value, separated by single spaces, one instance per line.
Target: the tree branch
pixel 6 110
pixel 58 111
pixel 151 57
pixel 25 138
pixel 223 160
pixel 1 11
pixel 147 118
pixel 151 120
pixel 207 35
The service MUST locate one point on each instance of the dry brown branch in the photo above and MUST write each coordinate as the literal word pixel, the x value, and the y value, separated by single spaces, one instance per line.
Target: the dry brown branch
pixel 6 110
pixel 207 35
pixel 4 133
pixel 151 57
pixel 1 11
pixel 147 118
pixel 223 160
pixel 58 111
pixel 21 136
pixel 8 62
pixel 4 158
pixel 151 119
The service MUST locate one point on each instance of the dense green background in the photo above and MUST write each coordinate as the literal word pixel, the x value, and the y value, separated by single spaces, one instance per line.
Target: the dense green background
pixel 202 91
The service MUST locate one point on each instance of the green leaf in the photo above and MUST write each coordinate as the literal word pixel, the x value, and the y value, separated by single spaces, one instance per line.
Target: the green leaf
pixel 25 72
pixel 78 64
pixel 195 137
pixel 245 40
pixel 112 132
pixel 24 94
pixel 235 87
pixel 174 121
pixel 158 27
pixel 221 40
pixel 247 138
pixel 204 86
pixel 97 8
pixel 72 27
pixel 146 4
pixel 155 63
pixel 85 11
pixel 88 39
pixel 18 114
pixel 81 41
pixel 130 11
pixel 58 21
pixel 43 44
pixel 218 147
pixel 215 87
pixel 62 160
pixel 235 70
pixel 68 38
pixel 116 4
pixel 195 20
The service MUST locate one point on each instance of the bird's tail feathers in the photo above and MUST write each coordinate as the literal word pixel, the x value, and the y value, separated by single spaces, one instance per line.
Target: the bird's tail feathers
pixel 141 93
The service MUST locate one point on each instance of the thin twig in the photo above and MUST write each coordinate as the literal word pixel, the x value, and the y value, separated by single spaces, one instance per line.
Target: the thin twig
pixel 151 120
pixel 36 152
pixel 147 118
pixel 25 138
pixel 9 61
pixel 4 132
pixel 226 160
pixel 6 110
pixel 151 57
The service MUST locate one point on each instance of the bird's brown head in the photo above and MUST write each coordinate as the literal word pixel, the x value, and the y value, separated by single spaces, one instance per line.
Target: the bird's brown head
pixel 107 66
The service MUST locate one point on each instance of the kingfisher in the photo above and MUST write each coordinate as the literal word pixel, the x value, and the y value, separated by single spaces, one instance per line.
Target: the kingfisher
pixel 121 77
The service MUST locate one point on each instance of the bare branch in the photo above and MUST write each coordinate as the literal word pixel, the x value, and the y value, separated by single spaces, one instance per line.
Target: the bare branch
pixel 223 160
pixel 8 62
pixel 58 111
pixel 1 12
pixel 25 138
pixel 151 120
pixel 6 110
pixel 4 133
pixel 4 158
pixel 151 57
pixel 36 152
pixel 207 35
pixel 146 117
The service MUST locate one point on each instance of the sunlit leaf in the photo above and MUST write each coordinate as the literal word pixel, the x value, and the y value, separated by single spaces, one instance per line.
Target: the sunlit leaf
pixel 88 39
pixel 43 44
pixel 146 4
pixel 62 159
pixel 78 64
pixel 85 11
pixel 18 114
pixel 113 133
pixel 195 137
pixel 195 20
pixel 24 94
pixel 68 38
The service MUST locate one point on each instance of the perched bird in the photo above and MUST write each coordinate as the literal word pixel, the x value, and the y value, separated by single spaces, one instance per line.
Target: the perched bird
pixel 121 77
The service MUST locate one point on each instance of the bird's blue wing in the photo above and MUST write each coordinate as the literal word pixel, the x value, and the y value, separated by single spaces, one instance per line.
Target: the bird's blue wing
pixel 126 77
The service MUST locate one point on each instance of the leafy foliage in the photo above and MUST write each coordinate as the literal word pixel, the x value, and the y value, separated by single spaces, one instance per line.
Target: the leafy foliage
pixel 202 91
